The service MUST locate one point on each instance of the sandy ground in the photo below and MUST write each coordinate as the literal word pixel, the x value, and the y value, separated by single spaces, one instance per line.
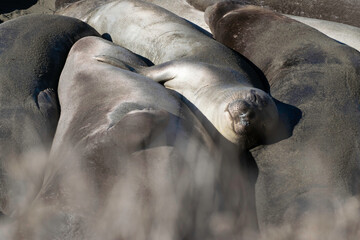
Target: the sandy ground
pixel 41 6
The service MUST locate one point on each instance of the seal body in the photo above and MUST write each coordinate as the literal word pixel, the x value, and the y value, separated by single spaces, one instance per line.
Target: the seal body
pixel 32 56
pixel 333 27
pixel 346 12
pixel 193 11
pixel 130 160
pixel 178 7
pixel 161 36
pixel 241 113
pixel 318 164
pixel 79 9
pixel 343 33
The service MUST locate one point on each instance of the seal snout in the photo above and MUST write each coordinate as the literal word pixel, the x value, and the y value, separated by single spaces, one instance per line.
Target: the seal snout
pixel 241 114
pixel 251 116
pixel 243 111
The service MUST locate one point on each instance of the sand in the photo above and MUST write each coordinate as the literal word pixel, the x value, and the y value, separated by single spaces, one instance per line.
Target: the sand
pixel 10 9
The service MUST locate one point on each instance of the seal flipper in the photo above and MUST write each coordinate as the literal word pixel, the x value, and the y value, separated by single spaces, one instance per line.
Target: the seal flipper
pixel 48 105
pixel 159 73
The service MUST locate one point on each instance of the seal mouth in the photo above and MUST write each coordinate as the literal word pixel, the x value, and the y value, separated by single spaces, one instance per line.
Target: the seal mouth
pixel 241 115
pixel 251 116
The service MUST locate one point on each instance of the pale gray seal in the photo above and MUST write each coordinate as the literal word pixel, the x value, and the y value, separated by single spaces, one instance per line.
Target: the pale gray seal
pixel 32 55
pixel 318 165
pixel 225 87
pixel 179 7
pixel 130 160
pixel 344 33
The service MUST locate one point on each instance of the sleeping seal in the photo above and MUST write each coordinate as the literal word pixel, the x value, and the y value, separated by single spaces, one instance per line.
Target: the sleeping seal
pixel 344 33
pixel 319 164
pixel 131 161
pixel 32 56
pixel 179 7
pixel 224 86
pixel 341 11
pixel 341 32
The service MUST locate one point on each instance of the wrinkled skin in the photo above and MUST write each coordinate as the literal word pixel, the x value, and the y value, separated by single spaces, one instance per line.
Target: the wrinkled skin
pixel 318 166
pixel 184 43
pixel 343 11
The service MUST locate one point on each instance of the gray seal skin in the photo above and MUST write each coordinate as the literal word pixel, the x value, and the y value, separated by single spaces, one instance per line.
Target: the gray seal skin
pixel 239 110
pixel 79 9
pixel 342 11
pixel 32 56
pixel 344 33
pixel 130 160
pixel 178 7
pixel 319 163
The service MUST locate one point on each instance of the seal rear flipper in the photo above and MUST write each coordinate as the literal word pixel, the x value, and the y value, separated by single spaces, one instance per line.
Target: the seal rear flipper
pixel 116 63
pixel 48 105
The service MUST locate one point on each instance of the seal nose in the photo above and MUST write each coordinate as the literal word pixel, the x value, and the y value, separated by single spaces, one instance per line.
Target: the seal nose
pixel 241 114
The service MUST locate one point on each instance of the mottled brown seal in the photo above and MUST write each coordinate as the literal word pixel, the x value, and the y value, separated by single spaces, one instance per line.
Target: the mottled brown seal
pixel 319 164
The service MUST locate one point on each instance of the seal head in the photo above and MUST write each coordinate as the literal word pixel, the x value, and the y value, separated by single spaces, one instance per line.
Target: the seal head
pixel 250 118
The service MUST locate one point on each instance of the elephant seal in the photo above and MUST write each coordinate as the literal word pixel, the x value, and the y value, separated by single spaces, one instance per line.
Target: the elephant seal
pixel 79 9
pixel 183 9
pixel 245 117
pixel 130 160
pixel 343 33
pixel 32 56
pixel 342 11
pixel 319 163
pixel 241 113
pixel 178 7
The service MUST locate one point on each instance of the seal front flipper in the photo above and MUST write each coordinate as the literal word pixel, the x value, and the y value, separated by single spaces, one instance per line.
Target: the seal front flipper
pixel 159 73
pixel 48 105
